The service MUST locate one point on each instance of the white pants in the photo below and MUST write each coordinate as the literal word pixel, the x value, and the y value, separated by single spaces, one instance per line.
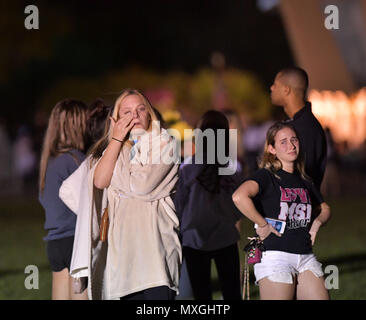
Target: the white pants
pixel 279 266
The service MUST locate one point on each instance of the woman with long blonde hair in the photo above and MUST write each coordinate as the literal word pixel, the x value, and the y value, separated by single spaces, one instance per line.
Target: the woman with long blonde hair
pixel 280 193
pixel 134 178
pixel 62 153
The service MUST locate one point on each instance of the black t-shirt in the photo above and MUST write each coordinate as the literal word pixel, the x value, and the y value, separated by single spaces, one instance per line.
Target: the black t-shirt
pixel 290 199
pixel 313 144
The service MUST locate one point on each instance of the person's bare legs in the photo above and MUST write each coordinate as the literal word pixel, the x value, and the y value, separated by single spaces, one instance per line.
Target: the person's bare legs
pixel 61 285
pixel 310 287
pixel 270 290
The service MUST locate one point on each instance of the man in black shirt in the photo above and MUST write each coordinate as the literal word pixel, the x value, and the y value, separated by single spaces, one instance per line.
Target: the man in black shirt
pixel 289 91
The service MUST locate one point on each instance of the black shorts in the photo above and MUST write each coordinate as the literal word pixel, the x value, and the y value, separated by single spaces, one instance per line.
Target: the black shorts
pixel 59 253
pixel 155 293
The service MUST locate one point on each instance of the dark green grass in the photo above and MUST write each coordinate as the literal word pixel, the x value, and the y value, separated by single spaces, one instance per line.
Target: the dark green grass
pixel 341 243
pixel 21 221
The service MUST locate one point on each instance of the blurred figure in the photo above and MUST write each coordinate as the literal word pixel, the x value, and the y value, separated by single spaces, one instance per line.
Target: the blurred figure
pixel 219 93
pixel 208 217
pixel 62 153
pixel 5 155
pixel 242 169
pixel 331 182
pixel 23 159
pixel 254 138
pixel 235 123
pixel 289 90
pixel 74 193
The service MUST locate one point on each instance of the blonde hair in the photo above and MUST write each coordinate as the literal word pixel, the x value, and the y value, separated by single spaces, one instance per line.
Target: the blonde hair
pixel 102 143
pixel 269 161
pixel 129 92
pixel 66 131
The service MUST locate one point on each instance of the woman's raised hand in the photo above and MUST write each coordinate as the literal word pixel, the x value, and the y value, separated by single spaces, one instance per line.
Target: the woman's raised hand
pixel 122 127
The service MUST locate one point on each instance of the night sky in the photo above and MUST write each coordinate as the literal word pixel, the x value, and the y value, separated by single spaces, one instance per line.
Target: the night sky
pixel 90 38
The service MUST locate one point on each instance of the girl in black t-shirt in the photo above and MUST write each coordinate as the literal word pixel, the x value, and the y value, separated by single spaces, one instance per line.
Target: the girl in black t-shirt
pixel 281 190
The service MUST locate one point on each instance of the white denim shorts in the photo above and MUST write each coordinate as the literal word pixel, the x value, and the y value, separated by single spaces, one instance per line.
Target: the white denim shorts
pixel 279 266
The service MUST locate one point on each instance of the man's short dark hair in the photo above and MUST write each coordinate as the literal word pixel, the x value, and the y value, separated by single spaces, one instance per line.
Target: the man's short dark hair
pixel 296 78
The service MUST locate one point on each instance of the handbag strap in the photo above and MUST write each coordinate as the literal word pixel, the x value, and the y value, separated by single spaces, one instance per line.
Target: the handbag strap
pixel 245 286
pixel 245 273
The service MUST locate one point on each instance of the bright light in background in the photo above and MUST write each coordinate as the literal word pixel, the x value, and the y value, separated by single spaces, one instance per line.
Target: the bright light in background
pixel 344 115
pixel 266 5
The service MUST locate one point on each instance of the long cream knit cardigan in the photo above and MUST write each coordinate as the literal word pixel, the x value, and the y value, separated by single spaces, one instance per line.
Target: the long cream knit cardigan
pixel 143 248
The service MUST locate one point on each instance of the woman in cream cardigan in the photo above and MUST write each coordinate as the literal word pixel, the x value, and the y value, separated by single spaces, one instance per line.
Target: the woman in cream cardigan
pixel 143 255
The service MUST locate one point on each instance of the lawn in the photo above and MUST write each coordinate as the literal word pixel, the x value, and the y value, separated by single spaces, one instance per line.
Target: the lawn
pixel 342 243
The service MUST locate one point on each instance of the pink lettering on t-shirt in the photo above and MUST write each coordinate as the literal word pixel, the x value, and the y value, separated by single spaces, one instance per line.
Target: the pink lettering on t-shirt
pixel 284 195
pixel 302 194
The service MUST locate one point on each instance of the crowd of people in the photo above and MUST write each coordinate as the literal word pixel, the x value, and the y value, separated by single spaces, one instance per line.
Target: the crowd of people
pixel 118 164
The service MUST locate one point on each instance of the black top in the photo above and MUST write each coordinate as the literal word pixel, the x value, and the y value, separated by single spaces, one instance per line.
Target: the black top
pixel 291 199
pixel 207 216
pixel 313 144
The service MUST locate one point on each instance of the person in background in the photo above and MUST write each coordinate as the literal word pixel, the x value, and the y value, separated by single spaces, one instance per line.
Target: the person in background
pixel 242 168
pixel 282 191
pixel 62 153
pixel 98 113
pixel 24 160
pixel 208 216
pixel 235 123
pixel 289 90
pixel 74 193
pixel 331 182
pixel 5 157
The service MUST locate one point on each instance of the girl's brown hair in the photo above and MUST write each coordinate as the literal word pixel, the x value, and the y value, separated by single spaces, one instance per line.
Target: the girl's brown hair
pixel 269 161
pixel 98 117
pixel 65 131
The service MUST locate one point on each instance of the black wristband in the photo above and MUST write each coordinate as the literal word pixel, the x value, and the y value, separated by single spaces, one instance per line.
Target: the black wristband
pixel 263 225
pixel 117 140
